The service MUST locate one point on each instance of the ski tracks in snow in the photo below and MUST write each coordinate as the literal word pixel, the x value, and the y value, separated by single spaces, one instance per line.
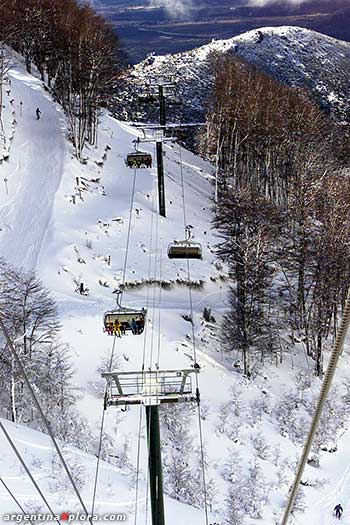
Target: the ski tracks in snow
pixel 321 509
pixel 35 168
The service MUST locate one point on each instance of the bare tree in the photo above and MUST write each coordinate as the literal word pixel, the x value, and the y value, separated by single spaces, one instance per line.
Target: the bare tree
pixel 247 223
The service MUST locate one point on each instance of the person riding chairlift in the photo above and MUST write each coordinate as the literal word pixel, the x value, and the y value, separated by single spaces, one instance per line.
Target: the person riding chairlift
pixel 109 328
pixel 133 325
pixel 117 328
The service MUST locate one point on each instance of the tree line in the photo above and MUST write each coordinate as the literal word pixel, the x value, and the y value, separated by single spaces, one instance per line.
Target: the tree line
pixel 76 52
pixel 282 213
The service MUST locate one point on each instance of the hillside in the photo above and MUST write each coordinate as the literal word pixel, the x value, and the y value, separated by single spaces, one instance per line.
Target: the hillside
pixel 295 56
pixel 70 222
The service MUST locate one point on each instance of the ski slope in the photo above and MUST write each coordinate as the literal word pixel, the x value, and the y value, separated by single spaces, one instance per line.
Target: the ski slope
pixel 70 222
pixel 33 171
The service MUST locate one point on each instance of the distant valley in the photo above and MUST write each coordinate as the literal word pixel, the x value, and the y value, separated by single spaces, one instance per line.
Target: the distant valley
pixel 144 28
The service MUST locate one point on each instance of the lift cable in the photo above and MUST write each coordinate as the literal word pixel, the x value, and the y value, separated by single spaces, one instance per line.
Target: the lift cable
pixel 101 431
pixel 325 388
pixel 149 271
pixel 194 345
pixel 154 340
pixel 15 499
pixel 27 470
pixel 138 467
pixel 41 413
pixel 114 342
pixel 143 365
pixel 129 227
pixel 159 306
pixel 156 255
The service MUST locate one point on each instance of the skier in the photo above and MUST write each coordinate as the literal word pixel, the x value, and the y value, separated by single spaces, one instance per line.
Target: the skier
pixel 38 113
pixel 338 509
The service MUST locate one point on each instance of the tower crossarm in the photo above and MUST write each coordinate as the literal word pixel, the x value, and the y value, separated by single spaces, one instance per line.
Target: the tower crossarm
pixel 150 387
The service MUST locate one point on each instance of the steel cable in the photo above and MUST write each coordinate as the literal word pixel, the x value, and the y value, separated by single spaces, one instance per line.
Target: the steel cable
pixel 101 431
pixel 14 499
pixel 42 415
pixel 114 341
pixel 189 282
pixel 143 364
pixel 326 385
pixel 27 470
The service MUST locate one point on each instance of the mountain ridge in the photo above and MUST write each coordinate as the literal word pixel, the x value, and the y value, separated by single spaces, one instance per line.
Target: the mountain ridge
pixel 294 56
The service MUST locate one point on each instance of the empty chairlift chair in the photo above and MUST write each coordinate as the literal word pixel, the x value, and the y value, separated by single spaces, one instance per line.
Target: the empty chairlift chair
pixel 184 250
pixel 126 319
pixel 138 160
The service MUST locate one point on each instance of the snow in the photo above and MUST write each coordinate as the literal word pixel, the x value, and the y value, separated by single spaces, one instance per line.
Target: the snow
pixel 67 228
pixel 38 454
pixel 33 171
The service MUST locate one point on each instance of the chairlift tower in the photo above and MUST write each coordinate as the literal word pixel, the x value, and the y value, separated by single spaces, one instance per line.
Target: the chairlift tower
pixel 152 388
pixel 159 149
pixel 160 88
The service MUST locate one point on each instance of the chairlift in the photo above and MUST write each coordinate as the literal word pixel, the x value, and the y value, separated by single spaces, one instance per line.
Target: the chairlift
pixel 128 319
pixel 123 319
pixel 139 159
pixel 185 250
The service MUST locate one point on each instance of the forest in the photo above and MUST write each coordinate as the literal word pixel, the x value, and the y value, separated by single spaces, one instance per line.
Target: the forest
pixel 76 52
pixel 282 213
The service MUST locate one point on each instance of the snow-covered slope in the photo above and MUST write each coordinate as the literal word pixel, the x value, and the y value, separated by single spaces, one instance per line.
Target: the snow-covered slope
pixel 36 148
pixel 295 56
pixel 75 231
pixel 116 494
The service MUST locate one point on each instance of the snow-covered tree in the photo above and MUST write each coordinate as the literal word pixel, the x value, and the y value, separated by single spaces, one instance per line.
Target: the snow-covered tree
pixel 280 211
pixel 247 492
pixel 31 318
pixel 182 463
pixel 76 52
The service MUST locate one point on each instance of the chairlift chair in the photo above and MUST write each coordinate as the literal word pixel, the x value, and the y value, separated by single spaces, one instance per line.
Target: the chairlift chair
pixel 185 250
pixel 128 318
pixel 138 160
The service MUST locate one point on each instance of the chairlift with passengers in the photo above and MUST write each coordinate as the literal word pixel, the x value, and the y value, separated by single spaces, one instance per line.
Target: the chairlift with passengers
pixel 138 159
pixel 121 320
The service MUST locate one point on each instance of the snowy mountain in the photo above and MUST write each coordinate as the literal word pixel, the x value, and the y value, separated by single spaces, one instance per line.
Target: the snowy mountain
pixel 70 222
pixel 294 56
pixel 170 26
